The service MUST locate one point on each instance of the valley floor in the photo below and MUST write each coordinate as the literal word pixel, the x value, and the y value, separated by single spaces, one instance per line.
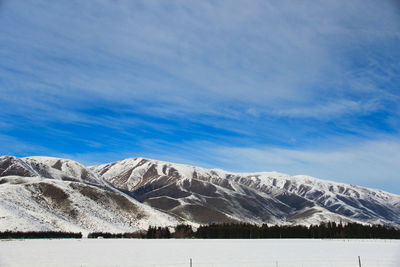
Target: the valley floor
pixel 177 252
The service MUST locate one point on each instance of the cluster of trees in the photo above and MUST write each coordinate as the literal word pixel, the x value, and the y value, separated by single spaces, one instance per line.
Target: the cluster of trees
pixel 119 235
pixel 183 231
pixel 324 230
pixel 158 232
pixel 48 234
pixel 353 230
pixel 180 231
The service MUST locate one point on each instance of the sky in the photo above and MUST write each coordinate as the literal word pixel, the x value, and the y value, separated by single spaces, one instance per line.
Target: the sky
pixel 298 87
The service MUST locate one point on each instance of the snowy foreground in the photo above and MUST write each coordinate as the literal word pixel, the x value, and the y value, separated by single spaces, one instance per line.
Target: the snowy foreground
pixel 173 252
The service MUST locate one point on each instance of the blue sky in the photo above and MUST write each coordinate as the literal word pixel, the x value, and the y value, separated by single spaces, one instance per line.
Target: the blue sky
pixel 300 87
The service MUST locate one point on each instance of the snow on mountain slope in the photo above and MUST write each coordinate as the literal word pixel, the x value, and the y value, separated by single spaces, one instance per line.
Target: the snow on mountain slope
pixel 43 193
pixel 48 167
pixel 43 204
pixel 62 169
pixel 10 165
pixel 271 197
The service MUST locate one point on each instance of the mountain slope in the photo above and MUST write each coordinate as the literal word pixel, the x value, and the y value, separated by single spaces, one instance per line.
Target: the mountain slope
pixel 47 167
pixel 196 193
pixel 43 193
pixel 56 194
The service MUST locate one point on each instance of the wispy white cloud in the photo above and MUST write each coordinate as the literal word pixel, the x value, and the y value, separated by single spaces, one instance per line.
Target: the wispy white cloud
pixel 185 54
pixel 332 109
pixel 370 163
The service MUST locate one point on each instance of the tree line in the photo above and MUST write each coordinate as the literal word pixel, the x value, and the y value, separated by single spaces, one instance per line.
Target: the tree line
pixel 324 230
pixel 234 230
pixel 37 234
pixel 249 231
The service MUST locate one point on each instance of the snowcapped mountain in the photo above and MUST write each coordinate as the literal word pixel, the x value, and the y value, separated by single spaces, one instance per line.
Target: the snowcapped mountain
pixel 47 167
pixel 42 193
pixel 207 196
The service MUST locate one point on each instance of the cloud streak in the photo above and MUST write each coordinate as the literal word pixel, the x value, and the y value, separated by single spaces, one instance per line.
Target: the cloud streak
pixel 374 163
pixel 283 55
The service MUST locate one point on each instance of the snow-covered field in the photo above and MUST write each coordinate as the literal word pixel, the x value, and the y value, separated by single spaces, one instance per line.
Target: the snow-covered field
pixel 173 252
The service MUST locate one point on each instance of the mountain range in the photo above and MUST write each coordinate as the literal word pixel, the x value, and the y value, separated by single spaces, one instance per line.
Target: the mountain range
pixel 45 193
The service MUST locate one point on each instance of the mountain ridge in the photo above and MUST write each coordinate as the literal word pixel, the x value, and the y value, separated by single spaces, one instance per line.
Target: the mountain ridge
pixel 180 193
pixel 300 176
pixel 266 182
